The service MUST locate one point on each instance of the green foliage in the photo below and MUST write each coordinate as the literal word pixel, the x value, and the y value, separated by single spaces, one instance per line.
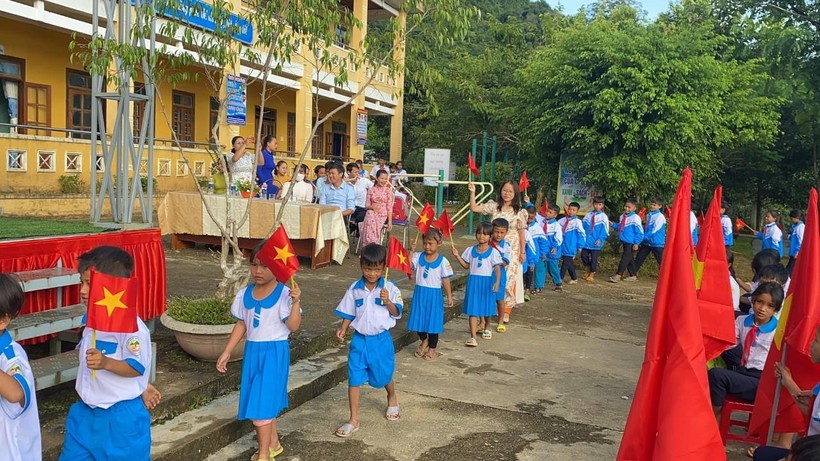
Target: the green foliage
pixel 71 184
pixel 200 311
pixel 18 228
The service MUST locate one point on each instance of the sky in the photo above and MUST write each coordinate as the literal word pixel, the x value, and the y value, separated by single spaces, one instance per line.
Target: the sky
pixel 652 7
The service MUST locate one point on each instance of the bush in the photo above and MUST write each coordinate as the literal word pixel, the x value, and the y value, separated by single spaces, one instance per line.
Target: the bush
pixel 200 311
pixel 71 184
pixel 143 182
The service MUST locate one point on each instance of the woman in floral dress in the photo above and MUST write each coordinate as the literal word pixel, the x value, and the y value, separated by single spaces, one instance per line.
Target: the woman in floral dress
pixel 508 206
pixel 379 206
pixel 241 161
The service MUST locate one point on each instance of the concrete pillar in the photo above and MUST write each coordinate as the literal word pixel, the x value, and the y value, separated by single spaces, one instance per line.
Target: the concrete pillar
pixel 358 35
pixel 397 120
pixel 303 107
pixel 227 132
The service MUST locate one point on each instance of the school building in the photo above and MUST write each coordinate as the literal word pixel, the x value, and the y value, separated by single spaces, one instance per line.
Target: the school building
pixel 45 102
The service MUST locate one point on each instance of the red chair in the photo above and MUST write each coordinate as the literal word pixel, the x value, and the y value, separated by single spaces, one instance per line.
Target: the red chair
pixel 732 407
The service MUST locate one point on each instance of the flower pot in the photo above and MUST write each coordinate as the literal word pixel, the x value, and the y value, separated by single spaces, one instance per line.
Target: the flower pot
pixel 220 186
pixel 203 342
pixel 245 193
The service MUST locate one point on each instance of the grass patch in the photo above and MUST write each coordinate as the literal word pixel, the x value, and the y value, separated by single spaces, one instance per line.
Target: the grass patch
pixel 202 311
pixel 17 228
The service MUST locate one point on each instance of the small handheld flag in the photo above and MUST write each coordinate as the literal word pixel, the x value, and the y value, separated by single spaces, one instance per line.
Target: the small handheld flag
pixel 444 224
pixel 279 256
pixel 112 303
pixel 524 182
pixel 397 258
pixel 544 207
pixel 642 214
pixel 471 165
pixel 740 224
pixel 425 219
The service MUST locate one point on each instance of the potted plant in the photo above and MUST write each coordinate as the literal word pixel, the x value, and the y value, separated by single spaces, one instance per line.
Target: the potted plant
pixel 218 165
pixel 201 326
pixel 247 188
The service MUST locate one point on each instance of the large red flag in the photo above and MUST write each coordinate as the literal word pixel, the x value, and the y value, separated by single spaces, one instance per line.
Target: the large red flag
pixel 279 256
pixel 471 165
pixel 672 396
pixel 797 325
pixel 524 182
pixel 712 283
pixel 397 257
pixel 425 219
pixel 444 224
pixel 112 303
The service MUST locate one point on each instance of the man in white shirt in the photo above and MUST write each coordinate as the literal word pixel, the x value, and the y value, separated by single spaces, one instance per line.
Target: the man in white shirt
pixel 382 165
pixel 361 186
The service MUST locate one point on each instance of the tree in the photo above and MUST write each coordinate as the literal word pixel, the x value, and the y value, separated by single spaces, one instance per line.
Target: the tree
pixel 285 30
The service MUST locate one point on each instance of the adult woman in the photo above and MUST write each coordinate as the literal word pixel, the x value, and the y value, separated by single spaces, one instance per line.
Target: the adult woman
pixel 379 206
pixel 508 206
pixel 264 170
pixel 242 161
pixel 280 176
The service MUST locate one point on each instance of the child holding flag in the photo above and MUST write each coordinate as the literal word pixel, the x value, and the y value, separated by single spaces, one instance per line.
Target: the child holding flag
pixel 771 235
pixel 433 272
pixel 267 312
pixel 115 356
pixel 19 418
pixel 370 307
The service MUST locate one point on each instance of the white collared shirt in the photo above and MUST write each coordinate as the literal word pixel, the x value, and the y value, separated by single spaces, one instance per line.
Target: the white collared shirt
pixel 264 318
pixel 20 423
pixel 365 309
pixel 430 274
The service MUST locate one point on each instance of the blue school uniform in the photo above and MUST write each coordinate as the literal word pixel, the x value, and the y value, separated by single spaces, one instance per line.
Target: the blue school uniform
pixel 796 238
pixel 555 238
pixel 772 238
pixel 111 422
pixel 728 232
pixel 371 357
pixel 693 226
pixel 506 253
pixel 574 235
pixel 630 229
pixel 20 422
pixel 427 305
pixel 655 235
pixel 596 228
pixel 539 248
pixel 263 393
pixel 479 299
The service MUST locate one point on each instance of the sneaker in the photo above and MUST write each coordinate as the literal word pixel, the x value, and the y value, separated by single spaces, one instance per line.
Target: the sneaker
pixel 615 279
pixel 572 282
pixel 559 289
pixel 486 334
pixel 631 278
pixel 526 297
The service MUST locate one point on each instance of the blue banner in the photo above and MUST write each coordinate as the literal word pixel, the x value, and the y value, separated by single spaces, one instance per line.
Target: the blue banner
pixel 199 14
pixel 236 106
pixel 361 126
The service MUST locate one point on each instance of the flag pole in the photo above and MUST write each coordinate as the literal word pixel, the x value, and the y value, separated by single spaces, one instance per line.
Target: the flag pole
pixel 386 271
pixel 776 397
pixel 292 282
pixel 93 346
pixel 416 240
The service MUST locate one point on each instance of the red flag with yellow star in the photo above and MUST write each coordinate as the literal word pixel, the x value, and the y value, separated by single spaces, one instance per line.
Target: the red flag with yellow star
pixel 471 165
pixel 444 224
pixel 112 303
pixel 425 219
pixel 279 256
pixel 397 257
pixel 524 182
pixel 715 299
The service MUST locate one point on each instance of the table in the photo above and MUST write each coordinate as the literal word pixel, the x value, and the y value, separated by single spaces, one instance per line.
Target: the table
pixel 317 232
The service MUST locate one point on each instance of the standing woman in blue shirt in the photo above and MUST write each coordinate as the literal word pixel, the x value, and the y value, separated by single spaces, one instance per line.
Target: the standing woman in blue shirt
pixel 795 238
pixel 264 170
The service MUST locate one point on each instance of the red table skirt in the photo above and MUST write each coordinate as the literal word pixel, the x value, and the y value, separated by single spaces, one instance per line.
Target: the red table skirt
pixel 42 253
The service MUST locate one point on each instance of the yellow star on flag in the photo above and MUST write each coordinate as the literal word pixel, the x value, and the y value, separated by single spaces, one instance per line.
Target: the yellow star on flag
pixel 423 219
pixel 402 258
pixel 697 266
pixel 283 254
pixel 112 301
pixel 782 322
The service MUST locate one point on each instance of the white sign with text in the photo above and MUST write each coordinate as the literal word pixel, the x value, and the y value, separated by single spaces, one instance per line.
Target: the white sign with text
pixel 435 160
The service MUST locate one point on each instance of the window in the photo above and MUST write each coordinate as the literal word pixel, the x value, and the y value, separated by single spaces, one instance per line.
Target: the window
pixel 213 121
pixel 38 108
pixel 16 160
pixel 139 111
pixel 163 167
pixel 143 167
pixel 11 81
pixel 268 121
pixel 182 168
pixel 199 168
pixel 342 37
pixel 45 161
pixel 100 164
pixel 183 117
pixel 291 132
pixel 316 145
pixel 73 162
pixel 79 103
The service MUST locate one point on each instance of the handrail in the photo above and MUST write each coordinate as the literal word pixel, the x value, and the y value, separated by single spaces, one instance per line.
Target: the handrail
pixel 485 191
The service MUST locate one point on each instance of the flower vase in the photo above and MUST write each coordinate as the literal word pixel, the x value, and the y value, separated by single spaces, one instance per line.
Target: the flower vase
pixel 245 193
pixel 220 186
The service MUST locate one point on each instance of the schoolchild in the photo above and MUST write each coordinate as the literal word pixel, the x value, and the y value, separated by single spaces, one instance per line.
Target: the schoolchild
pixel 771 235
pixel 574 239
pixel 555 237
pixel 110 421
pixel 726 225
pixel 596 226
pixel 370 306
pixel 630 232
pixel 500 228
pixel 654 237
pixel 795 237
pixel 433 272
pixel 267 312
pixel 484 281
pixel 21 434
pixel 536 252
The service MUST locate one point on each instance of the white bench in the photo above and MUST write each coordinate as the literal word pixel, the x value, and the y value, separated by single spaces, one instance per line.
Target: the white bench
pixel 59 367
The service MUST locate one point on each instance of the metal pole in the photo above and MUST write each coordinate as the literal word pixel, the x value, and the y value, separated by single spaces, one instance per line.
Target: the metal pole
pixel 470 216
pixel 483 156
pixel 492 159
pixel 776 397
pixel 440 194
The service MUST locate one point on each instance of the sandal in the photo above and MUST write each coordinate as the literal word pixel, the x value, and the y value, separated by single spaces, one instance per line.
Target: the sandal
pixel 420 351
pixel 346 430
pixel 430 355
pixel 501 328
pixel 272 454
pixel 471 342
pixel 392 413
pixel 486 334
pixel 750 452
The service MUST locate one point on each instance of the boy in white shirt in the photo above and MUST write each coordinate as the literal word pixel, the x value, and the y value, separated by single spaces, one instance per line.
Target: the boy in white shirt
pixel 370 307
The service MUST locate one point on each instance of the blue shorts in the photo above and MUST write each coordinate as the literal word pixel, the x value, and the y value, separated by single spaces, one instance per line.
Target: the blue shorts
pixel 372 359
pixel 119 433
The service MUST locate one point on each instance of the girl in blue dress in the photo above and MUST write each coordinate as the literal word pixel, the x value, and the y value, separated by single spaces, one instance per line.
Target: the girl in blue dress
pixel 433 271
pixel 267 312
pixel 484 263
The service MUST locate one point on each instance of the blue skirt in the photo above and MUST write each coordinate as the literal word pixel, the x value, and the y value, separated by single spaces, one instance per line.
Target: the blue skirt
pixel 502 286
pixel 426 310
pixel 263 392
pixel 479 300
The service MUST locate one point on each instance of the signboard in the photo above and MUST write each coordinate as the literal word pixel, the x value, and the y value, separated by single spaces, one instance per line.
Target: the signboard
pixel 435 160
pixel 361 126
pixel 199 14
pixel 237 99
pixel 570 189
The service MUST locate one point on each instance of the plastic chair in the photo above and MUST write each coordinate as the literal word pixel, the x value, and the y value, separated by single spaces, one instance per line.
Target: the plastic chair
pixel 733 407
